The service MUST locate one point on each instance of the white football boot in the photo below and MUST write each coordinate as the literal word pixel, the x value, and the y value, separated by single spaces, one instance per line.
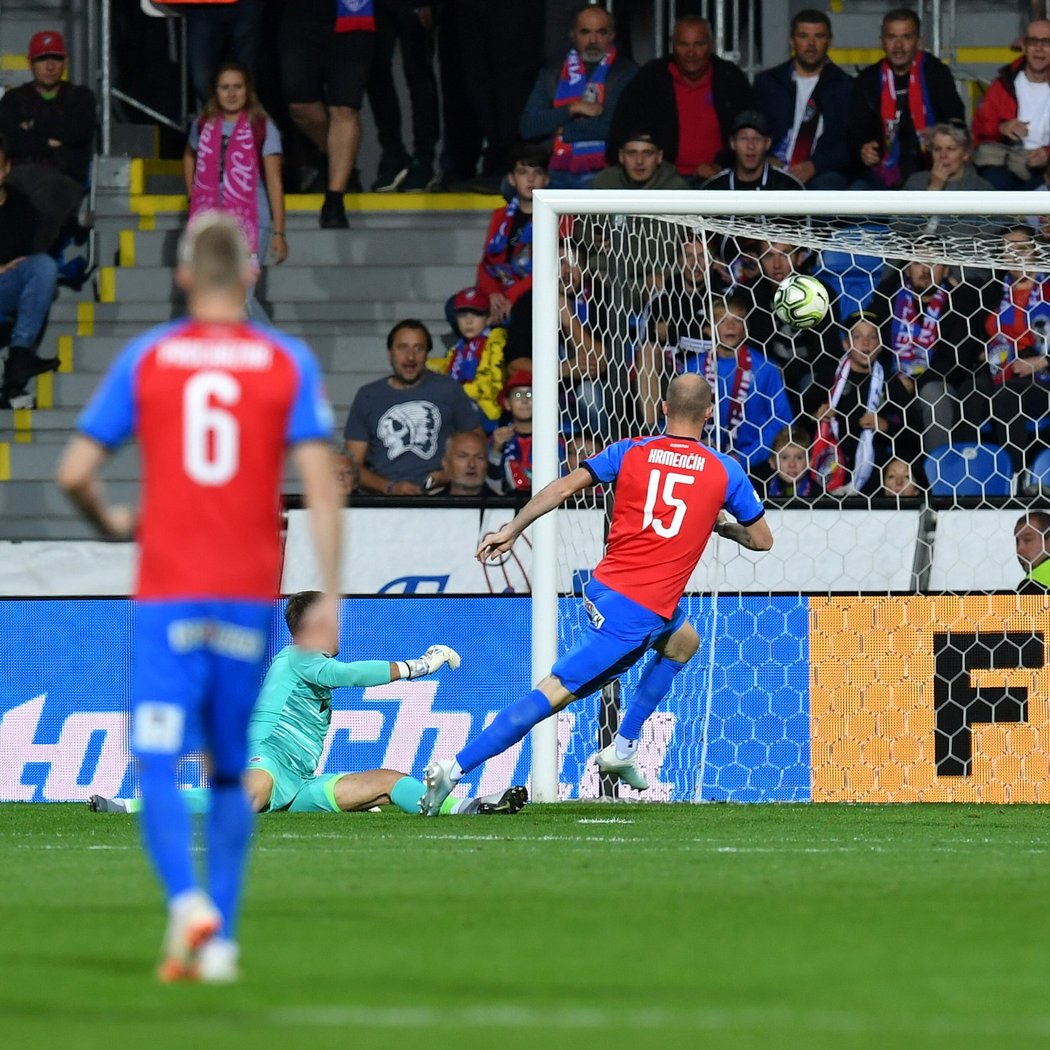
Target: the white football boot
pixel 193 920
pixel 439 786
pixel 624 768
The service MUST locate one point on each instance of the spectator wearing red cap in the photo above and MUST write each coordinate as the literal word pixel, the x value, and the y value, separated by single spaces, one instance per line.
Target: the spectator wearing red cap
pixel 49 125
pixel 476 359
pixel 510 446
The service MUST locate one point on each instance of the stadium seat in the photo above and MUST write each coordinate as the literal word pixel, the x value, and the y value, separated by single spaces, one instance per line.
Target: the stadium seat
pixel 1039 473
pixel 852 277
pixel 968 469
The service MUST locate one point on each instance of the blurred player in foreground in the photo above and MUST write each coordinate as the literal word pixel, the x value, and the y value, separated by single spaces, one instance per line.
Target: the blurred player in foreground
pixel 670 491
pixel 291 720
pixel 214 402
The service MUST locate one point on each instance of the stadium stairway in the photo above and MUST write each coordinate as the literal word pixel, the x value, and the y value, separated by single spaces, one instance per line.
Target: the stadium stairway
pixel 340 290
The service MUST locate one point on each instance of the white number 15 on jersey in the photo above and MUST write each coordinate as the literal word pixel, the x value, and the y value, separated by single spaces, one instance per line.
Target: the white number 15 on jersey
pixel 670 481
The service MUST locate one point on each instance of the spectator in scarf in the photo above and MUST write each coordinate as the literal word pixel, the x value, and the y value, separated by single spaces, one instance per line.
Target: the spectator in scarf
pixel 1012 124
pixel 895 102
pixel 926 317
pixel 853 418
pixel 787 473
pixel 582 348
pixel 688 102
pixel 751 404
pixel 505 270
pixel 1017 330
pixel 510 445
pixel 641 167
pixel 806 101
pixel 751 167
pixel 232 163
pixel 49 125
pixel 572 107
pixel 326 52
pixel 676 325
pixel 476 359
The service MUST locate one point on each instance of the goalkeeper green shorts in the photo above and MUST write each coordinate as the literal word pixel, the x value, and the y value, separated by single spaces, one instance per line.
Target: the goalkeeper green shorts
pixel 291 790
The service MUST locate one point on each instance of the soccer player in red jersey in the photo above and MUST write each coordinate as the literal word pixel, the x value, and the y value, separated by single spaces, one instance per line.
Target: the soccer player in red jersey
pixel 670 493
pixel 214 402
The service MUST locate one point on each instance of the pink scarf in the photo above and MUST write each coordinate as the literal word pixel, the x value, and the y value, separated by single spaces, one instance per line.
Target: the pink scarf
pixel 226 177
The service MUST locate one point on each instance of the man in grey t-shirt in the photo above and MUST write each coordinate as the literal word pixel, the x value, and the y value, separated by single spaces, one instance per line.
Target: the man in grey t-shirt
pixel 398 426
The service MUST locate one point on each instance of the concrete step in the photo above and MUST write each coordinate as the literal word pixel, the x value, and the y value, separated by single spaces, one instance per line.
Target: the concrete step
pixel 436 246
pixel 345 285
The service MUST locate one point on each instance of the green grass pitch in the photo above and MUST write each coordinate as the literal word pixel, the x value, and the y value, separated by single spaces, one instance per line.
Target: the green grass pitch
pixel 567 926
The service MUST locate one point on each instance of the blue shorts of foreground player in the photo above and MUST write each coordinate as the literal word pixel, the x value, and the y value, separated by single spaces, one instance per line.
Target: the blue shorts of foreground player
pixel 619 633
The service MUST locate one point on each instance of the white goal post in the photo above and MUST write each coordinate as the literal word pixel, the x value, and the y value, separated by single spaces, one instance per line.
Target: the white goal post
pixel 708 210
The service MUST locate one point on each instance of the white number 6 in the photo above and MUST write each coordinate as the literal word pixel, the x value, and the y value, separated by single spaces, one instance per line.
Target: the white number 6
pixel 670 481
pixel 210 434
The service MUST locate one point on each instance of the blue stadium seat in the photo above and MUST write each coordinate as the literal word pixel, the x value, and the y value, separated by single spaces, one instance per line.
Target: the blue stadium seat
pixel 852 276
pixel 1039 471
pixel 968 469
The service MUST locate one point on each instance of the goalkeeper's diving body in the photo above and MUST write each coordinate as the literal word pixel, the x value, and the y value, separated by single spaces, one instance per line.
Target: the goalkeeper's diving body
pixel 290 722
pixel 670 493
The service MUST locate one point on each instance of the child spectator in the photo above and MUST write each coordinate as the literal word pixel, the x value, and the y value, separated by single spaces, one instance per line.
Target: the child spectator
pixel 476 359
pixel 505 270
pixel 787 473
pixel 898 481
pixel 510 446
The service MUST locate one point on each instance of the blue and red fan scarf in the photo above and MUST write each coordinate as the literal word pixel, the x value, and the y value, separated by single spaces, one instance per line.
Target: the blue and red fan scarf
pixel 888 171
pixel 575 86
pixel 466 357
pixel 915 329
pixel 509 265
pixel 355 16
pixel 1020 327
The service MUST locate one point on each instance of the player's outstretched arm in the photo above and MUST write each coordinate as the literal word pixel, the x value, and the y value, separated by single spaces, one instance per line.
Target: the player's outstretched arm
pixel 754 537
pixel 549 497
pixel 326 671
pixel 77 476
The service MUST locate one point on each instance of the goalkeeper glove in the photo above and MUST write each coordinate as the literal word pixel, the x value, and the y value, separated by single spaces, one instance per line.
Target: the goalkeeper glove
pixel 436 656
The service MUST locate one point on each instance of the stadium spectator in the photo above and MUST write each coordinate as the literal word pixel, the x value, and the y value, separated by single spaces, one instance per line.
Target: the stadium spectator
pixel 688 102
pixel 218 32
pixel 894 102
pixel 475 361
pixel 344 471
pixel 505 270
pixel 787 473
pixel 1032 542
pixel 502 51
pixel 27 289
pixel 571 106
pixel 1017 348
pixel 462 137
pixel 326 51
pixel 411 24
pixel 581 347
pixel 854 420
pixel 750 167
pixel 926 316
pixel 752 406
pixel 49 125
pixel 676 326
pixel 464 465
pixel 641 166
pixel 1012 124
pixel 233 126
pixel 397 427
pixel 951 155
pixel 579 447
pixel 806 102
pixel 510 445
pixel 898 481
pixel 793 350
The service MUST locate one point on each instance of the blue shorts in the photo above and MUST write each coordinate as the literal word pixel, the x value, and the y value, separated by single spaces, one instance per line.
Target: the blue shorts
pixel 196 671
pixel 618 635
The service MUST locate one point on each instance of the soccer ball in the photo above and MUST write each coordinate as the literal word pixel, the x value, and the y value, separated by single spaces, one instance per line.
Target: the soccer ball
pixel 801 301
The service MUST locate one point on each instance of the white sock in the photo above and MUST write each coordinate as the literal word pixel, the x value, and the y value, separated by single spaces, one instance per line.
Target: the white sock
pixel 625 748
pixel 455 774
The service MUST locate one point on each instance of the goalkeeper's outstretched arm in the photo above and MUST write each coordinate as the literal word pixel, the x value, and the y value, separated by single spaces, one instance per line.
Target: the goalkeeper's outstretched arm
pixel 326 671
pixel 549 497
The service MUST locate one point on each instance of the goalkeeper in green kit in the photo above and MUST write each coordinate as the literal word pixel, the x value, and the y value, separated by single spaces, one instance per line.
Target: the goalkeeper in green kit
pixel 290 722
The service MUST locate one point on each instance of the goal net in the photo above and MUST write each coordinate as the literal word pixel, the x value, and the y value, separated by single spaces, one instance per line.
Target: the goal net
pixel 886 649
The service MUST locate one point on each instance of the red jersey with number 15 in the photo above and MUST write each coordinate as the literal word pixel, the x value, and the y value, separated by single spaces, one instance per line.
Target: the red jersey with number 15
pixel 669 491
pixel 214 407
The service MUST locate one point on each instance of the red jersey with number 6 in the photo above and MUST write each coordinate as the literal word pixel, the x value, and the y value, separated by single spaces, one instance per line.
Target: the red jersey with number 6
pixel 669 491
pixel 214 406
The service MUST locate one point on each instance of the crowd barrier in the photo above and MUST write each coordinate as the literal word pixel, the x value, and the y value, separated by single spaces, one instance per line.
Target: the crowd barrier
pixel 859 699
